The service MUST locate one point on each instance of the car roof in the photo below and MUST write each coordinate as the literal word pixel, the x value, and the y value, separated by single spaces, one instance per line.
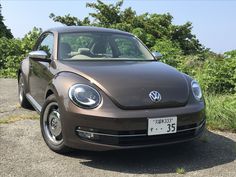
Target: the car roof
pixel 71 29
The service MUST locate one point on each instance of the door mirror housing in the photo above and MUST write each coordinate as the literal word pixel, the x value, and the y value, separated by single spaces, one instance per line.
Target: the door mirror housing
pixel 157 55
pixel 39 55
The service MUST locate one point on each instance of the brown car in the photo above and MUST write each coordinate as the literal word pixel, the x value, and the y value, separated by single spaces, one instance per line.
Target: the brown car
pixel 102 89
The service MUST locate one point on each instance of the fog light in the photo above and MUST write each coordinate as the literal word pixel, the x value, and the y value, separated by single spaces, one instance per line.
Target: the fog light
pixel 86 135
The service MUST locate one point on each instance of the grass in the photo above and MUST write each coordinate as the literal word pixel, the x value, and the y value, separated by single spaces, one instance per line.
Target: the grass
pixel 14 118
pixel 180 171
pixel 221 112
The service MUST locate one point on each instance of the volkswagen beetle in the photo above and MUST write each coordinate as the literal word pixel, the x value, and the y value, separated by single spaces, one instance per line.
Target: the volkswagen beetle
pixel 102 89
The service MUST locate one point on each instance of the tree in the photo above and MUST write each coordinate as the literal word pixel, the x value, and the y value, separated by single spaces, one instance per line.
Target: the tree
pixel 4 31
pixel 69 20
pixel 29 40
pixel 150 28
pixel 106 14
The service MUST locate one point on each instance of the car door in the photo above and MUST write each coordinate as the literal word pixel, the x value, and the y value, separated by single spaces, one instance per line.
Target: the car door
pixel 40 70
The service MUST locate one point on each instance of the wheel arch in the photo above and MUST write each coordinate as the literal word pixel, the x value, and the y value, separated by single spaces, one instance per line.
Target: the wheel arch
pixel 48 93
pixel 51 90
pixel 60 85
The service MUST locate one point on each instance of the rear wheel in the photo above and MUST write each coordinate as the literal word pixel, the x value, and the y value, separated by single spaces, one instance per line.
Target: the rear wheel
pixel 21 93
pixel 51 128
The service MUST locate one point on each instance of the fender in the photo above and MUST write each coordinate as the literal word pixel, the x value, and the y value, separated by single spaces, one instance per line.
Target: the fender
pixel 61 83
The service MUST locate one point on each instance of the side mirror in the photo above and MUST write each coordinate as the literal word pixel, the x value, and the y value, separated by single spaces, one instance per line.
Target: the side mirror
pixel 157 55
pixel 39 55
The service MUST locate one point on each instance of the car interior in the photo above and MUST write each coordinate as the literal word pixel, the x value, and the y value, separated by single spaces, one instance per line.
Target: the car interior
pixel 98 47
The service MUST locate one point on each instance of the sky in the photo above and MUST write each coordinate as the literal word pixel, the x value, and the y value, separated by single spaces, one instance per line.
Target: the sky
pixel 213 21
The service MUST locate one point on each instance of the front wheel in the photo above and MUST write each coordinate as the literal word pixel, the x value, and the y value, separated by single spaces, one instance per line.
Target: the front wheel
pixel 51 128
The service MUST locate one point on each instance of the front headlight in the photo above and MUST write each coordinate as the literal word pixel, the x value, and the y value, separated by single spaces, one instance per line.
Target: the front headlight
pixel 84 96
pixel 196 89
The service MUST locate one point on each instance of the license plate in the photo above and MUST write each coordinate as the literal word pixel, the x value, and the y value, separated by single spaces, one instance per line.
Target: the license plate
pixel 162 125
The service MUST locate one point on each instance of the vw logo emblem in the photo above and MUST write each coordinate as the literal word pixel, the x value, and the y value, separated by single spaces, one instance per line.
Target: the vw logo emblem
pixel 155 96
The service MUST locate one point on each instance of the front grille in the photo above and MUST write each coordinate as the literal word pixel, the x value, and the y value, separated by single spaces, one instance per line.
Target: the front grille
pixel 140 137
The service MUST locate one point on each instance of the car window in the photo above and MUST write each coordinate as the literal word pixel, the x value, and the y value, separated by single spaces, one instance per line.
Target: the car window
pixel 101 46
pixel 47 44
pixel 127 48
pixel 76 41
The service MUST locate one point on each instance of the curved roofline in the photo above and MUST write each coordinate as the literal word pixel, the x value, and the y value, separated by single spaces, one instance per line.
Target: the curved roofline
pixel 68 29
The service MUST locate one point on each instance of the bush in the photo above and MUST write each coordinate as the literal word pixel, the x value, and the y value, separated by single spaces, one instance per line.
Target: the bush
pixel 231 54
pixel 11 66
pixel 215 73
pixel 12 52
pixel 218 75
pixel 9 47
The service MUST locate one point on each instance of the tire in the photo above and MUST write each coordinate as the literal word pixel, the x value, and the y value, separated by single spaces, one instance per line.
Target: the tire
pixel 51 128
pixel 24 103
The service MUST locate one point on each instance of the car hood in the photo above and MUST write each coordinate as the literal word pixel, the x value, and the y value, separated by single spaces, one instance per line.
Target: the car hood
pixel 128 84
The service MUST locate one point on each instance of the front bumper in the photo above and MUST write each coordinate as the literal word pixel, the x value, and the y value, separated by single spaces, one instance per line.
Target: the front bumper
pixel 126 129
pixel 132 139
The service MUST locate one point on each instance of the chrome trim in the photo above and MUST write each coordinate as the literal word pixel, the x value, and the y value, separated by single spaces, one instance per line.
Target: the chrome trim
pixel 104 134
pixel 155 96
pixel 135 135
pixel 38 54
pixel 157 55
pixel 195 96
pixel 34 103
pixel 194 128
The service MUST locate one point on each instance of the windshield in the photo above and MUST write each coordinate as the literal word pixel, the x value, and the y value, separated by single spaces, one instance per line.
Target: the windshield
pixel 101 46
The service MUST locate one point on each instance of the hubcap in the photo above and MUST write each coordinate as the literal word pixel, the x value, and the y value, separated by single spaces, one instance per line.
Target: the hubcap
pixel 52 123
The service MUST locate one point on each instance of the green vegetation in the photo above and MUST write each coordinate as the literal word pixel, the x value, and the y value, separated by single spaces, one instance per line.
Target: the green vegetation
pixel 180 171
pixel 4 31
pixel 180 48
pixel 13 51
pixel 221 113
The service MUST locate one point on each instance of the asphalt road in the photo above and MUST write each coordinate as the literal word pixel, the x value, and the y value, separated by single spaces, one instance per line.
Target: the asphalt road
pixel 23 152
pixel 8 99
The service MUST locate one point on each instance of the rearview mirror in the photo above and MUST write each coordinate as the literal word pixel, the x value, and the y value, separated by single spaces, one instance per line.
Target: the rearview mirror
pixel 157 55
pixel 39 54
